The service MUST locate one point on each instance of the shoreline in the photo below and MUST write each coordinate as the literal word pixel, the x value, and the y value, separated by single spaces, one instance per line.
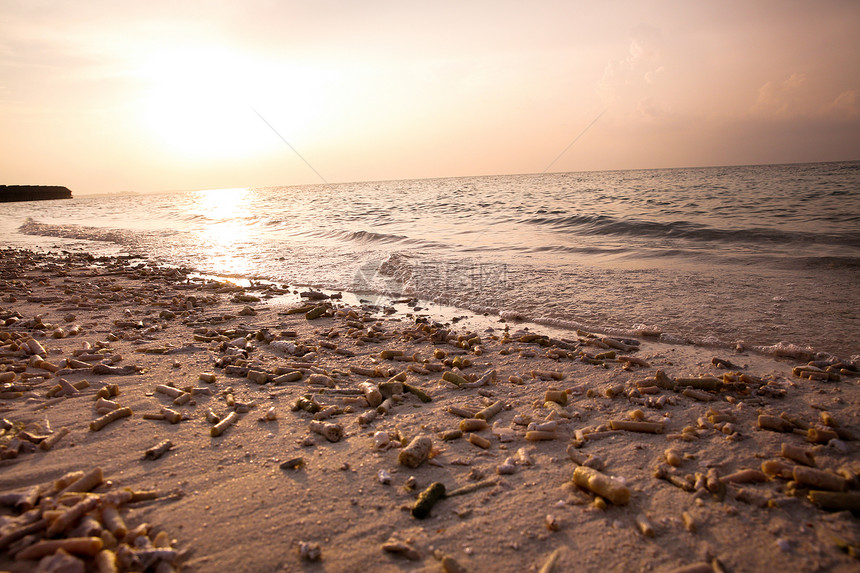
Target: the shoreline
pixel 277 485
pixel 756 280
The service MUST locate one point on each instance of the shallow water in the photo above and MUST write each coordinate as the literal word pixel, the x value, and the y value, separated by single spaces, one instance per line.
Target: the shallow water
pixel 758 254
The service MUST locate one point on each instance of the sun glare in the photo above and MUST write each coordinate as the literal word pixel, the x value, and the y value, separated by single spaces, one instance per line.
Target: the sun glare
pixel 221 204
pixel 225 214
pixel 202 104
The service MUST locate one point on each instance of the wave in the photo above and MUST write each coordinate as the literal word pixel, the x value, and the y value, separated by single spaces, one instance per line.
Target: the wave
pixel 612 226
pixel 371 237
pixel 33 227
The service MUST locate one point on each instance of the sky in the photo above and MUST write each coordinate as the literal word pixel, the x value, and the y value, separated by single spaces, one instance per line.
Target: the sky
pixel 107 96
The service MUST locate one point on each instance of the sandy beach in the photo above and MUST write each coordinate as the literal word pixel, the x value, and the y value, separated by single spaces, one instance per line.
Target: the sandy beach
pixel 166 423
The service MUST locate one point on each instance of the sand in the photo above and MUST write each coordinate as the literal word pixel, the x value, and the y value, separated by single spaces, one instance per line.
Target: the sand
pixel 270 494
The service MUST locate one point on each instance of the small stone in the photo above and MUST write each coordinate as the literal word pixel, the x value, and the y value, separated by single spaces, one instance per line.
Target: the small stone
pixel 310 551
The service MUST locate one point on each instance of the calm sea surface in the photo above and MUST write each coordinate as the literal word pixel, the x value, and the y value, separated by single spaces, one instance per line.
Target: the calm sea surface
pixel 762 254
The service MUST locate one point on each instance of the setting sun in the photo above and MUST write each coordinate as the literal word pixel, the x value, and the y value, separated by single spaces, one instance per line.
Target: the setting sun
pixel 203 103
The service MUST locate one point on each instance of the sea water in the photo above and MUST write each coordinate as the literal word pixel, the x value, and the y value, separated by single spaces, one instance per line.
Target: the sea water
pixel 764 256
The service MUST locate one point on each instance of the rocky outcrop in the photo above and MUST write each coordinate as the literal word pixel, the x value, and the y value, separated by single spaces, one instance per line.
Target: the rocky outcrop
pixel 33 192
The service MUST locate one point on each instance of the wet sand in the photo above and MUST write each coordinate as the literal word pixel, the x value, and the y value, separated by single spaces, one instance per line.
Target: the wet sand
pixel 722 468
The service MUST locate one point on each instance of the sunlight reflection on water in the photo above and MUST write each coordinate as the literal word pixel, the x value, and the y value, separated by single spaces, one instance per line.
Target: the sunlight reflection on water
pixel 223 238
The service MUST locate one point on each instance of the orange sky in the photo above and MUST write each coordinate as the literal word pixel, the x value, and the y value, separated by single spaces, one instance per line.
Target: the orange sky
pixel 108 95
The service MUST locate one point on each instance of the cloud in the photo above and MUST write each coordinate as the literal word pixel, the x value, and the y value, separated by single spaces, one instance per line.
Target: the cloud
pixel 635 85
pixel 653 110
pixel 780 98
pixel 798 98
pixel 845 106
pixel 642 64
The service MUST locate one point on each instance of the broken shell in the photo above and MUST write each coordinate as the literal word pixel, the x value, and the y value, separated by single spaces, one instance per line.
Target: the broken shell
pixel 381 439
pixel 292 463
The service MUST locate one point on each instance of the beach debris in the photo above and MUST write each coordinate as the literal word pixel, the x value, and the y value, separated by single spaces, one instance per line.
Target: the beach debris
pixel 371 393
pixel 88 530
pixel 633 426
pixel 223 424
pixel 551 561
pixel 479 441
pixel 50 441
pixel 401 548
pixel 699 567
pixel 309 551
pixel 292 463
pixel 473 425
pixel 112 416
pixel 158 450
pixel 819 479
pixel 798 454
pixel 508 467
pixel 490 411
pixel 835 501
pixel 748 475
pixel 454 378
pixel 774 423
pixel 106 370
pixel 601 484
pixel 331 432
pixel 427 499
pixel 418 450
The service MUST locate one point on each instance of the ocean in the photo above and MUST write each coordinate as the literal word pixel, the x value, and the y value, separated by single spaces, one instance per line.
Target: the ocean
pixel 764 257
